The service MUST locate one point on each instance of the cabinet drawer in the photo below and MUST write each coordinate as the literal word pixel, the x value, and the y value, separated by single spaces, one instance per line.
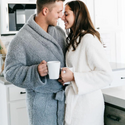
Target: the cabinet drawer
pixel 16 93
pixel 118 78
pixel 18 113
pixel 114 115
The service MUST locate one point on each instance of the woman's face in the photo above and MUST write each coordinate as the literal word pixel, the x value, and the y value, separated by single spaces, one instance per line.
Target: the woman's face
pixel 68 17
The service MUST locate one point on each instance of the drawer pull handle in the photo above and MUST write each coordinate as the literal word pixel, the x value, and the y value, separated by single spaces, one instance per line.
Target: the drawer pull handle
pixel 122 77
pixel 22 92
pixel 115 118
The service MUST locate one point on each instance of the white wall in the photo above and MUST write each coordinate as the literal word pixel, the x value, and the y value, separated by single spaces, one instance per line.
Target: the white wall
pixel 123 33
pixel 0 16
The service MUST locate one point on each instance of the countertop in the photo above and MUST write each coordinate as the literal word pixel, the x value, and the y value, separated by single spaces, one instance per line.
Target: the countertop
pixel 3 81
pixel 115 96
pixel 117 66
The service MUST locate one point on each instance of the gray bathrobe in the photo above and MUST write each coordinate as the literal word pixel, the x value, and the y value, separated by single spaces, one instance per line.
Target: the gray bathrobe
pixel 30 46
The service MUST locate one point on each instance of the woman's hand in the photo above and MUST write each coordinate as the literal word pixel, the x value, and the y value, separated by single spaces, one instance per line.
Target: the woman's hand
pixel 66 75
pixel 61 81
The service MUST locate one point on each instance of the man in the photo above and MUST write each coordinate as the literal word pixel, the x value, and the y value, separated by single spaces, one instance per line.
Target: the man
pixel 38 42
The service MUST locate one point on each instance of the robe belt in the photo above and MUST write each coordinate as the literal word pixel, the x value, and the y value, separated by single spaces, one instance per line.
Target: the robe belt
pixel 60 106
pixel 60 95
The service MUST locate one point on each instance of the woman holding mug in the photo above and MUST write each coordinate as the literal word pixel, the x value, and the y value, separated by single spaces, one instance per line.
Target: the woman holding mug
pixel 92 72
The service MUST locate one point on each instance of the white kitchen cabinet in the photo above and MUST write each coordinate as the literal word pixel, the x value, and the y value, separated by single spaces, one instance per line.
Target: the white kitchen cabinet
pixel 108 20
pixel 18 113
pixel 90 6
pixel 19 1
pixel 118 75
pixel 107 14
pixel 118 78
pixel 109 40
pixel 13 105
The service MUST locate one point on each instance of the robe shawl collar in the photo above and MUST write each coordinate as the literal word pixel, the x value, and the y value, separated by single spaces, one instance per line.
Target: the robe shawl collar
pixel 58 53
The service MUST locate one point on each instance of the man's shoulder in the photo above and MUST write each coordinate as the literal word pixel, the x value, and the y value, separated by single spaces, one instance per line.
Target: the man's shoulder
pixel 20 36
pixel 22 33
pixel 23 30
pixel 58 28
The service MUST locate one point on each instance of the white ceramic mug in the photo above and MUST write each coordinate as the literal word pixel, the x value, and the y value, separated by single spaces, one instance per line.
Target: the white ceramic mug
pixel 71 68
pixel 53 69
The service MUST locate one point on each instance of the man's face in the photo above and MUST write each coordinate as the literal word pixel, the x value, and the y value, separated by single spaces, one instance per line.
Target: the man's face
pixel 54 13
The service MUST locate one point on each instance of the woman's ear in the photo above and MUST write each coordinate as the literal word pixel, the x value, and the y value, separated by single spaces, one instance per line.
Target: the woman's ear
pixel 45 11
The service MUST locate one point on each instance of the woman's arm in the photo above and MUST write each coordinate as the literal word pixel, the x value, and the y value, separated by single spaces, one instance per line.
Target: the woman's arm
pixel 100 74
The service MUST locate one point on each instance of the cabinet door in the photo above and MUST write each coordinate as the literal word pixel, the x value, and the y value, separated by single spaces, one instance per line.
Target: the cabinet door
pixel 108 40
pixel 18 113
pixel 118 78
pixel 90 6
pixel 114 115
pixel 107 14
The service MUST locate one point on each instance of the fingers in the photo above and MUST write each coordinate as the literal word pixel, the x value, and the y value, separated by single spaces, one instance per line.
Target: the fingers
pixel 43 62
pixel 61 81
pixel 64 69
pixel 67 75
pixel 42 68
pixel 42 72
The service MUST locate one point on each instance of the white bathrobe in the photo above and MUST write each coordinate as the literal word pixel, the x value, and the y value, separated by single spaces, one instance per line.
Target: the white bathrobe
pixel 92 72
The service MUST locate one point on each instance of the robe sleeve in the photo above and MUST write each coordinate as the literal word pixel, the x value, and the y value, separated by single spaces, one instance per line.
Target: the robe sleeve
pixel 100 74
pixel 16 69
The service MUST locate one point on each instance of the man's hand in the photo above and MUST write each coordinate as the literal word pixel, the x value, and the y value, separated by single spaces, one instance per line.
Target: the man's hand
pixel 42 68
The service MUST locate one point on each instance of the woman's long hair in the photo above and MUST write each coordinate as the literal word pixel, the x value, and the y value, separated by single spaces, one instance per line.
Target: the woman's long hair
pixel 82 23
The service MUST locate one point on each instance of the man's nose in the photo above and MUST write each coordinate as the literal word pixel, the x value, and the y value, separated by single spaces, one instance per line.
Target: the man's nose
pixel 63 17
pixel 60 15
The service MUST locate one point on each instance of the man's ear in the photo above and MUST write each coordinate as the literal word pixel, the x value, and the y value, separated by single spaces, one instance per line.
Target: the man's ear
pixel 45 11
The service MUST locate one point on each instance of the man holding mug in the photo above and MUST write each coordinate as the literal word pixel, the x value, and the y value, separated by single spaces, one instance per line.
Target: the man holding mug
pixel 38 42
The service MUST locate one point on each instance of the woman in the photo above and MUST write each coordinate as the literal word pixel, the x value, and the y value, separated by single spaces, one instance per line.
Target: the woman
pixel 85 53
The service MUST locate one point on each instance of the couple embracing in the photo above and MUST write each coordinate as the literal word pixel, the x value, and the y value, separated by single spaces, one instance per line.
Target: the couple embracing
pixel 39 41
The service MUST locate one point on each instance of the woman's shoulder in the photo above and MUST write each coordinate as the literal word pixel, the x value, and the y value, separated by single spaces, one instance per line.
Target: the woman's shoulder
pixel 89 39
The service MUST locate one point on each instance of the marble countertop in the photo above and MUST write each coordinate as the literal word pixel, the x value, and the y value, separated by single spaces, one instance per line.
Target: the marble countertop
pixel 3 81
pixel 115 96
pixel 117 66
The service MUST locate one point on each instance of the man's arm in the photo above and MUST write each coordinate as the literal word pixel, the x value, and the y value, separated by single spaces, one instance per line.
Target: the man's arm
pixel 18 72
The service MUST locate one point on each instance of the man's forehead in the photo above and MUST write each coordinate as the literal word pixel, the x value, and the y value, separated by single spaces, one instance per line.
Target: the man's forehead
pixel 57 5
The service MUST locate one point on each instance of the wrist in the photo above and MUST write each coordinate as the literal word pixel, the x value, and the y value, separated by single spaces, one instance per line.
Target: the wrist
pixel 73 79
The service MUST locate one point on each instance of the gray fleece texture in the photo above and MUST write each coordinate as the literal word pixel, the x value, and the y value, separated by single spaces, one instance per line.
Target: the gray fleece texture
pixel 30 46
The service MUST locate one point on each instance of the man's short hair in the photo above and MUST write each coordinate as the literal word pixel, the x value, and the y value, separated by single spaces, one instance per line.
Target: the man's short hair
pixel 40 4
